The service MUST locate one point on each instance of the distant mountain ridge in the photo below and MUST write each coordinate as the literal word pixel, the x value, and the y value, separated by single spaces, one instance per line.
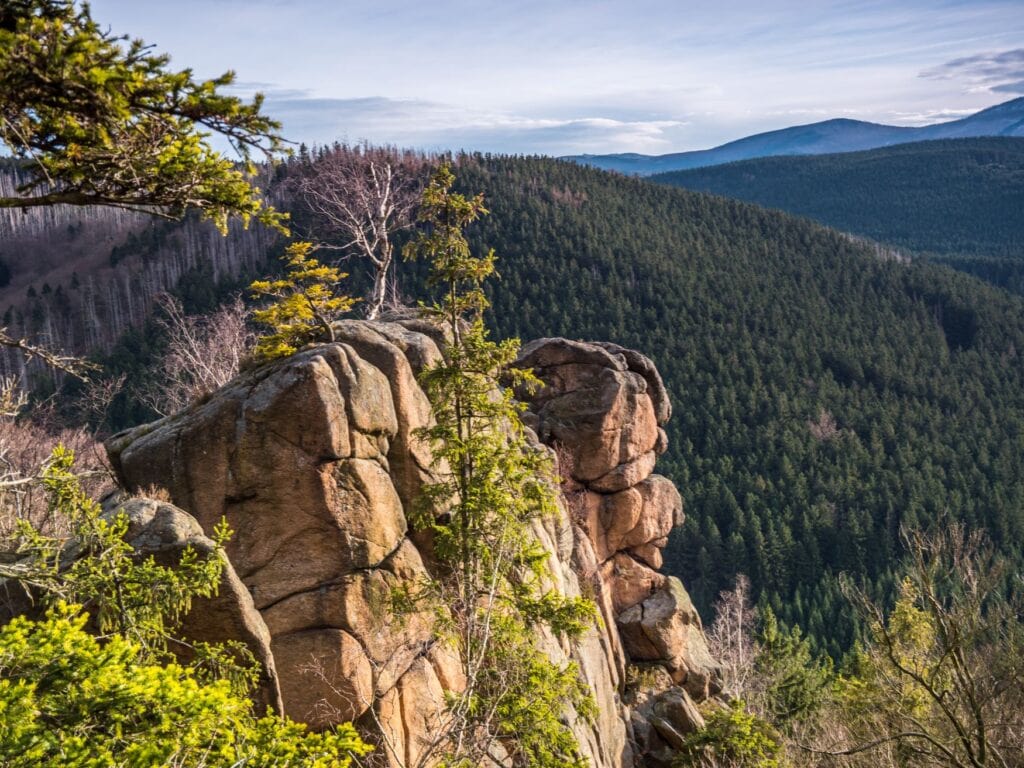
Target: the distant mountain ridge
pixel 959 200
pixel 826 137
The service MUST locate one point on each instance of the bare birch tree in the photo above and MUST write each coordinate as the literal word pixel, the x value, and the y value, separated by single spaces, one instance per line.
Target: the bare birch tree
pixel 731 637
pixel 203 354
pixel 361 195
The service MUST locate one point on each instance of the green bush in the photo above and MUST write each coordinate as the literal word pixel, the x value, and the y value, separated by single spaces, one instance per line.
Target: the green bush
pixel 733 738
pixel 69 699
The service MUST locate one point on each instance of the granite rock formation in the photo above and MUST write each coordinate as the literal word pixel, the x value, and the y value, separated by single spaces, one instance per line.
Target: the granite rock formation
pixel 314 463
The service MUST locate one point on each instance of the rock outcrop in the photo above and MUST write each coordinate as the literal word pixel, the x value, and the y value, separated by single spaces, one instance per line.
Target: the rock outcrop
pixel 314 464
pixel 603 408
pixel 164 532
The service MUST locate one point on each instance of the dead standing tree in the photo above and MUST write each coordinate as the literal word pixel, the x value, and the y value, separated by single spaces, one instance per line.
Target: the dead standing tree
pixel 203 354
pixel 732 638
pixel 361 195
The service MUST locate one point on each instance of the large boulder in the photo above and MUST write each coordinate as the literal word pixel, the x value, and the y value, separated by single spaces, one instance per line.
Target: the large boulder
pixel 162 531
pixel 666 628
pixel 601 409
pixel 293 457
pixel 596 409
pixel 312 461
pixel 315 463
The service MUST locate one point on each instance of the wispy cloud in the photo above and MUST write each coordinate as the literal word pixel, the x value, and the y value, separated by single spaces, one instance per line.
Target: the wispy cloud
pixel 994 72
pixel 414 122
pixel 584 76
pixel 929 116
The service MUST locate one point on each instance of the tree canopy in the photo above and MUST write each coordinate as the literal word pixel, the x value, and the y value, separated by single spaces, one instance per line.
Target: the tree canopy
pixel 960 201
pixel 98 119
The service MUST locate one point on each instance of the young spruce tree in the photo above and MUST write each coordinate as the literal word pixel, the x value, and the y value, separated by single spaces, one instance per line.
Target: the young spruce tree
pixel 306 301
pixel 492 593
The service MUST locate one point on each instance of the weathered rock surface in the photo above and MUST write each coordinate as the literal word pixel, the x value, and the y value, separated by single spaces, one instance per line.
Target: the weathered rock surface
pixel 602 409
pixel 314 463
pixel 165 532
pixel 665 628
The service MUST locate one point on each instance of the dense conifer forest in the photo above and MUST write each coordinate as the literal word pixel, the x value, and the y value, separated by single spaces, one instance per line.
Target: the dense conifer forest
pixel 961 201
pixel 823 396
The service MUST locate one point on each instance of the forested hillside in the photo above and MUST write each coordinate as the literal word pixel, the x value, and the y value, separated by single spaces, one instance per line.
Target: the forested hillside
pixel 961 200
pixel 823 397
pixel 76 278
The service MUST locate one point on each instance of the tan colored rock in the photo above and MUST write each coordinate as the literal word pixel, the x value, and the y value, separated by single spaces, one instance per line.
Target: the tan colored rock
pixel 383 727
pixel 648 554
pixel 367 509
pixel 326 677
pixel 593 405
pixel 292 455
pixel 314 462
pixel 667 731
pixel 401 354
pixel 447 667
pixel 666 628
pixel 662 510
pixel 625 475
pixel 661 444
pixel 408 718
pixel 642 733
pixel 603 408
pixel 311 384
pixel 422 702
pixel 620 514
pixel 630 581
pixel 360 604
pixel 644 366
pixel 587 569
pixel 585 509
pixel 412 320
pixel 597 654
pixel 678 709
pixel 544 353
pixel 164 532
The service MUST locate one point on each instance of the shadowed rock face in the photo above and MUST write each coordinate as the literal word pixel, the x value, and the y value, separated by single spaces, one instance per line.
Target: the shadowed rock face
pixel 314 463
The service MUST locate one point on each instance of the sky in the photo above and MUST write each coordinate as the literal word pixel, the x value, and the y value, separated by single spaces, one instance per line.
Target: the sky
pixel 568 76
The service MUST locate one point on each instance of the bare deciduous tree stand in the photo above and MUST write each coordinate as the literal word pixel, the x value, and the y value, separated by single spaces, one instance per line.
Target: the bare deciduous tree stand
pixel 361 195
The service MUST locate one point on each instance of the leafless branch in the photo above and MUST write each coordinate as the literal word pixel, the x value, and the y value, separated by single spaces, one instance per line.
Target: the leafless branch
pixel 203 354
pixel 361 195
pixel 73 366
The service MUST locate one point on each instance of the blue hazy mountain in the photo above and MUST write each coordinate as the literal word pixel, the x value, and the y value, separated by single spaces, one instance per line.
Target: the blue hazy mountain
pixel 827 137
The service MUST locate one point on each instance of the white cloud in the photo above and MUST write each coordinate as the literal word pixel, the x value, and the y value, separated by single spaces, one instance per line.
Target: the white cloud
pixel 433 125
pixel 613 75
pixel 929 116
